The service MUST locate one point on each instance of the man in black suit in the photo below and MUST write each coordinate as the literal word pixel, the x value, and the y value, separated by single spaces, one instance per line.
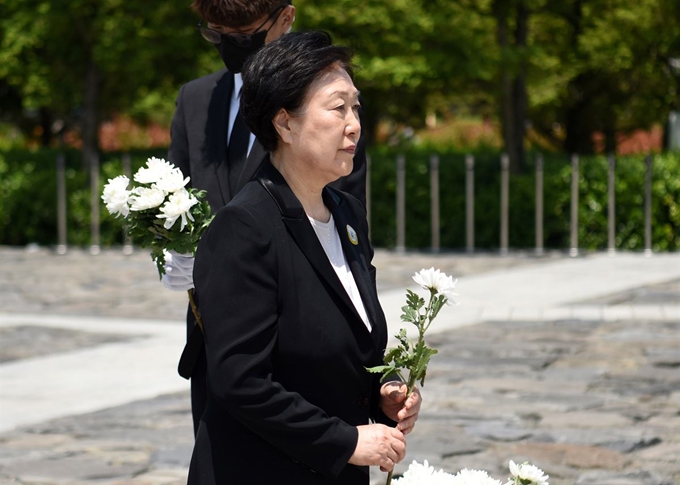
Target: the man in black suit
pixel 211 144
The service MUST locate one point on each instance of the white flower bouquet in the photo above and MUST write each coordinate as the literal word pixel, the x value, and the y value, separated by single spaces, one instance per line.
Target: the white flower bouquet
pixel 160 212
pixel 414 357
pixel 417 474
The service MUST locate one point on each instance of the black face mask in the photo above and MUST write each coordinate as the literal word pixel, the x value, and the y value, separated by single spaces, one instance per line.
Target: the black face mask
pixel 235 56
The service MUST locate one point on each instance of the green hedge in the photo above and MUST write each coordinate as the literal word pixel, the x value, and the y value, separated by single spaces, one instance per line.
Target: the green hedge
pixel 28 196
pixel 28 212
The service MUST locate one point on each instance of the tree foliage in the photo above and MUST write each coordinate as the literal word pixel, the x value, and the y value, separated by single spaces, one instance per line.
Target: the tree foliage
pixel 413 55
pixel 566 69
pixel 603 65
pixel 80 61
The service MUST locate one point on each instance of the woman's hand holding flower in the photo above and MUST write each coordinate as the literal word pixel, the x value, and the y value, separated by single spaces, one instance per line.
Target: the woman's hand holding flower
pixel 398 407
pixel 379 445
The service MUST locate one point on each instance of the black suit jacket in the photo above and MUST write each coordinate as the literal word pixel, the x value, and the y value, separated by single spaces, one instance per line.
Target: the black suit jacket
pixel 286 348
pixel 198 147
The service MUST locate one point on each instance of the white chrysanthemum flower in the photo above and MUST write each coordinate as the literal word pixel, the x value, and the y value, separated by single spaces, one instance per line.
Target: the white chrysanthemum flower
pixel 156 169
pixel 525 472
pixel 143 198
pixel 172 181
pixel 178 205
pixel 424 474
pixel 116 196
pixel 473 477
pixel 434 280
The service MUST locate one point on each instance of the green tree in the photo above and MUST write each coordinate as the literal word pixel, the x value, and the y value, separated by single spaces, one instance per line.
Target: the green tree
pixel 512 30
pixel 611 69
pixel 413 55
pixel 80 61
pixel 571 68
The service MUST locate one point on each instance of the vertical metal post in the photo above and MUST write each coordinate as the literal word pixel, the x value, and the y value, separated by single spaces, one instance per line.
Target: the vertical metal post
pixel 61 204
pixel 401 203
pixel 505 195
pixel 127 171
pixel 611 207
pixel 648 207
pixel 539 204
pixel 434 202
pixel 470 203
pixel 94 203
pixel 368 191
pixel 573 251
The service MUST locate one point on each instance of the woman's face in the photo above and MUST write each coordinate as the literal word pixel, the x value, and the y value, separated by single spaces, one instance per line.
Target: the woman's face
pixel 324 136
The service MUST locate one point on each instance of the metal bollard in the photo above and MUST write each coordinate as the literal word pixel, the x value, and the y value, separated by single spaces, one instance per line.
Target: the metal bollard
pixel 94 201
pixel 611 207
pixel 539 204
pixel 61 205
pixel 505 195
pixel 401 203
pixel 434 202
pixel 573 251
pixel 648 206
pixel 470 203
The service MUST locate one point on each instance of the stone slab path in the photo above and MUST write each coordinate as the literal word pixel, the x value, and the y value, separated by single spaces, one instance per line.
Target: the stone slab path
pixel 570 363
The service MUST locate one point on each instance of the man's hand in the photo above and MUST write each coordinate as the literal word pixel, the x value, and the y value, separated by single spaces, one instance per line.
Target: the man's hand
pixel 395 405
pixel 179 270
pixel 379 445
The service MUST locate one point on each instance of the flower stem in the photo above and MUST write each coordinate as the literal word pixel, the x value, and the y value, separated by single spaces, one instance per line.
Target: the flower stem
pixel 409 389
pixel 424 322
pixel 194 309
pixel 428 312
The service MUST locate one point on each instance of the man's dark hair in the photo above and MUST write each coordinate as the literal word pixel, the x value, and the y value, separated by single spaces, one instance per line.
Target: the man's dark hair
pixel 235 13
pixel 279 75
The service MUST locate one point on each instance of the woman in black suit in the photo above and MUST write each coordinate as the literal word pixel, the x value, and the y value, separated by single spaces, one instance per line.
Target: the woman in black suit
pixel 287 293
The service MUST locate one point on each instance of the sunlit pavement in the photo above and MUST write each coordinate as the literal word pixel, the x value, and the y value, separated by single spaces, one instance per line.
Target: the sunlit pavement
pixel 570 363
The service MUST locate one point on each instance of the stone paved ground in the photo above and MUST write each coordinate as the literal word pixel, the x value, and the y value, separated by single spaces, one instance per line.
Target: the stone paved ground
pixel 590 400
pixel 110 284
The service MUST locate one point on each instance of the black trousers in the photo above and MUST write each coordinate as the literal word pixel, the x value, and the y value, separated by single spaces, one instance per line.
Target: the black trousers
pixel 199 390
pixel 193 366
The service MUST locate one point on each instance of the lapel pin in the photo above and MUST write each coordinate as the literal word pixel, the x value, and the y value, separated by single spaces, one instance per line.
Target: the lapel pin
pixel 352 234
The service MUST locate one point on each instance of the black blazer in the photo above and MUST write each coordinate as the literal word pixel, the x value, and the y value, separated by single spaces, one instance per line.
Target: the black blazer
pixel 198 146
pixel 286 348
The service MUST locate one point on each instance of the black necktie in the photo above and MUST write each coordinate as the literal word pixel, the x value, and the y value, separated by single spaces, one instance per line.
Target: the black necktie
pixel 237 151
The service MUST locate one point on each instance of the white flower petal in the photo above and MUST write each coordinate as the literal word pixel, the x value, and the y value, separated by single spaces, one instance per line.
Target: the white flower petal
pixel 144 198
pixel 529 472
pixel 427 278
pixel 179 204
pixel 473 477
pixel 424 474
pixel 434 280
pixel 169 221
pixel 155 170
pixel 116 196
pixel 172 181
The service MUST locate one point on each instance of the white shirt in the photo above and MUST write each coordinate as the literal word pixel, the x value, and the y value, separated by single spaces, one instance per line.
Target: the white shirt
pixel 330 241
pixel 234 106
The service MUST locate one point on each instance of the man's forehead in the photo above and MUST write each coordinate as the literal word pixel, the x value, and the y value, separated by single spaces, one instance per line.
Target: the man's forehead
pixel 244 28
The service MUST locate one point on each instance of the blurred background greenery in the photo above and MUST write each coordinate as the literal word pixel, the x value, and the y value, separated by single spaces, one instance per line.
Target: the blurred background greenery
pixel 87 77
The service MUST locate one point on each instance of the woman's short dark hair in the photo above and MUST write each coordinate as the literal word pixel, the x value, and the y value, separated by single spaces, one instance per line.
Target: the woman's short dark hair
pixel 279 75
